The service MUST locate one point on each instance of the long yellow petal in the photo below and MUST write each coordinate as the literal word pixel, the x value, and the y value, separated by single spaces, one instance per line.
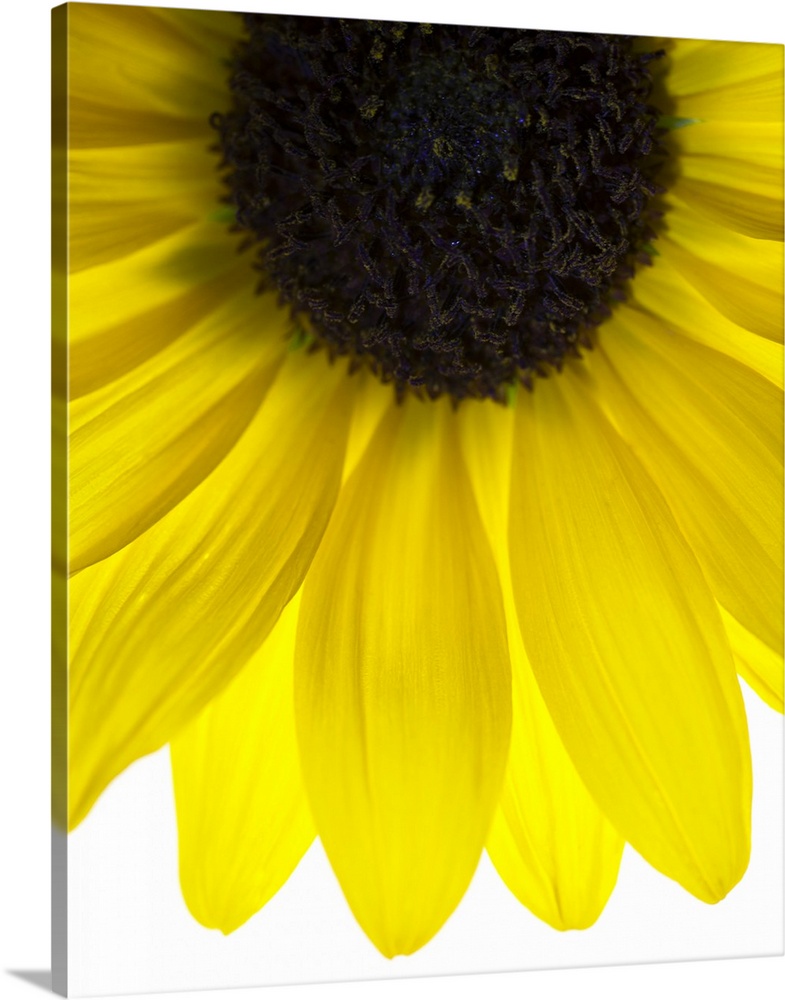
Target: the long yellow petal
pixel 145 75
pixel 372 401
pixel 626 643
pixel 758 99
pixel 703 67
pixel 402 681
pixel 549 842
pixel 730 157
pixel 142 443
pixel 710 434
pixel 130 58
pixel 750 180
pixel 95 125
pixel 123 312
pixel 664 292
pixel 242 815
pixel 59 522
pixel 758 143
pixel 760 666
pixel 121 200
pixel 59 716
pixel 211 31
pixel 160 628
pixel 749 214
pixel 740 276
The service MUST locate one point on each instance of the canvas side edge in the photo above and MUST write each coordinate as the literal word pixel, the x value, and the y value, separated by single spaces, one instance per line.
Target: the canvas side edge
pixel 59 721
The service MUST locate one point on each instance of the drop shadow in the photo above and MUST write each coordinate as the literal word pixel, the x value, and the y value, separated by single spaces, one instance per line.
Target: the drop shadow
pixel 38 977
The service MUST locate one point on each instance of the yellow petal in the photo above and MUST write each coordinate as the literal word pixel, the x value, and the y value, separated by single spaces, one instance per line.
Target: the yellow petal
pixel 703 67
pixel 212 31
pixel 94 125
pixel 159 628
pixel 121 200
pixel 131 59
pixel 124 311
pixel 59 468
pixel 626 643
pixel 549 842
pixel 664 292
pixel 758 143
pixel 729 159
pixel 59 699
pixel 242 815
pixel 142 443
pixel 164 69
pixel 760 666
pixel 745 197
pixel 752 99
pixel 59 341
pixel 372 401
pixel 402 681
pixel 709 432
pixel 745 213
pixel 740 276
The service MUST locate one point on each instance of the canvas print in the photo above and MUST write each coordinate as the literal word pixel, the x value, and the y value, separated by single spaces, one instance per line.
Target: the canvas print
pixel 417 519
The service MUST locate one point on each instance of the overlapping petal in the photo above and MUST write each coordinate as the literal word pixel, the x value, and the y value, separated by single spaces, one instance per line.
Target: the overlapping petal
pixel 166 82
pixel 142 443
pixel 549 841
pixel 740 276
pixel 242 815
pixel 732 93
pixel 759 665
pixel 163 625
pixel 123 199
pixel 664 292
pixel 402 681
pixel 709 68
pixel 709 431
pixel 123 312
pixel 725 82
pixel 626 642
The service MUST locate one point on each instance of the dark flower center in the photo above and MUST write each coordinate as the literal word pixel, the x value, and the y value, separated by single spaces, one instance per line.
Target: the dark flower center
pixel 453 206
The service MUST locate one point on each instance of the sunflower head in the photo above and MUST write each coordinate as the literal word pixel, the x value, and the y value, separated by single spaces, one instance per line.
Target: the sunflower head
pixel 454 206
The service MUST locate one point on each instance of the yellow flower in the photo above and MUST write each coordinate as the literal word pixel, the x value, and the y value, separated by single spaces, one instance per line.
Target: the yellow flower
pixel 413 629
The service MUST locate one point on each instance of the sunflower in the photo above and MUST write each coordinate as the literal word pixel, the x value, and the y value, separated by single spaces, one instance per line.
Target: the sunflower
pixel 396 546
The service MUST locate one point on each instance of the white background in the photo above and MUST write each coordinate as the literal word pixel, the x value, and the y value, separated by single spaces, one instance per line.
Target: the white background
pixel 489 918
pixel 129 928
